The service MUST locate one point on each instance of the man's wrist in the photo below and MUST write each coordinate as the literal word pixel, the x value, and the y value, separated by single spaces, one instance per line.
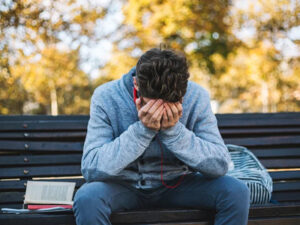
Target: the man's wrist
pixel 147 130
pixel 172 131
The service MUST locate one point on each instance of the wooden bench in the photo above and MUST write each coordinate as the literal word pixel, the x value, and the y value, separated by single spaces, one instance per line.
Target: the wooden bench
pixel 50 148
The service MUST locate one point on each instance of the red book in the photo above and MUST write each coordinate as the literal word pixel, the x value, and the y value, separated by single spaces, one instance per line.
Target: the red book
pixel 48 206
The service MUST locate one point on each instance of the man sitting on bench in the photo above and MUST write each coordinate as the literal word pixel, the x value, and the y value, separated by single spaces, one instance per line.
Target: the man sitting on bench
pixel 153 142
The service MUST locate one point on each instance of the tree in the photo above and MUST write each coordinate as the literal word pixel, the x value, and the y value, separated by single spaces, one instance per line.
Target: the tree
pixel 33 33
pixel 54 80
pixel 259 76
pixel 198 28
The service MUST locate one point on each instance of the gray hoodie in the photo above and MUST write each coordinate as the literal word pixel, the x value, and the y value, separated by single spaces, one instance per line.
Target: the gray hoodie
pixel 119 147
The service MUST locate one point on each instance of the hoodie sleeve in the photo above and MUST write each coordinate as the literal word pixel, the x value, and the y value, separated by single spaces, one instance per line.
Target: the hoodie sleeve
pixel 105 156
pixel 202 148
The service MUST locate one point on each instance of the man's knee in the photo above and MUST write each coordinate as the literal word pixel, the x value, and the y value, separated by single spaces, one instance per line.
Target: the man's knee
pixel 236 192
pixel 90 205
pixel 90 194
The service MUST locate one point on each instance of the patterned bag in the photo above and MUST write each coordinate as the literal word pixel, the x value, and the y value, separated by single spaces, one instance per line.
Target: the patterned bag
pixel 246 167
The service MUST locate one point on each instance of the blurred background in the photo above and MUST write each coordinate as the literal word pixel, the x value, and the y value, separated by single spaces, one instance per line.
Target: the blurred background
pixel 53 54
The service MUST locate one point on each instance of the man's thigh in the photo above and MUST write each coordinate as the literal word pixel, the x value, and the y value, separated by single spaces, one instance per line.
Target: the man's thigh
pixel 197 191
pixel 115 195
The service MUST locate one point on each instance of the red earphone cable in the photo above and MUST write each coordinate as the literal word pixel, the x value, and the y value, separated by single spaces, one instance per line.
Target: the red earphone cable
pixel 134 95
pixel 161 169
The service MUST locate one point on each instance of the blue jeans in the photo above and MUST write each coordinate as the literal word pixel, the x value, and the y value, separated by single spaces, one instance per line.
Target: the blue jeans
pixel 229 197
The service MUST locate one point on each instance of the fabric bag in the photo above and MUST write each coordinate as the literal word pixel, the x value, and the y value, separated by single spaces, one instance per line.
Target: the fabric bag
pixel 247 168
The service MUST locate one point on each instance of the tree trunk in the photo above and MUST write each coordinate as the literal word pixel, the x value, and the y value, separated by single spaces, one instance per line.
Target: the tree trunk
pixel 54 107
pixel 264 97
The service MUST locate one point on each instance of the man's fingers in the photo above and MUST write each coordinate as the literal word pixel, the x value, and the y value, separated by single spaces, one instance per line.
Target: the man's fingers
pixel 165 116
pixel 161 114
pixel 138 104
pixel 164 119
pixel 179 108
pixel 174 109
pixel 155 106
pixel 153 109
pixel 144 110
pixel 169 112
pixel 157 114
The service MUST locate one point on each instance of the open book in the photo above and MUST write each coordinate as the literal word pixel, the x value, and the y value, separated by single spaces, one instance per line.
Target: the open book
pixel 47 195
pixel 45 192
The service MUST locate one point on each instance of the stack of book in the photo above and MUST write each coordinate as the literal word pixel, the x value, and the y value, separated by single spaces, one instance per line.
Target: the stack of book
pixel 45 196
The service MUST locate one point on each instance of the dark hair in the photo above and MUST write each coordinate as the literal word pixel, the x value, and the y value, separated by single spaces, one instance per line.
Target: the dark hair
pixel 162 74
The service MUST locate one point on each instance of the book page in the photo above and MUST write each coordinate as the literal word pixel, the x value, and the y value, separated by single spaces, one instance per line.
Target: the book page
pixel 45 192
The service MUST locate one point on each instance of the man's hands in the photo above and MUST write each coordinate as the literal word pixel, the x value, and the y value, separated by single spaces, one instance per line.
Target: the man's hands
pixel 157 114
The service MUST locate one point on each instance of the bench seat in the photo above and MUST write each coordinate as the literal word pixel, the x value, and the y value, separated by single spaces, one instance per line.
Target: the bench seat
pixel 50 148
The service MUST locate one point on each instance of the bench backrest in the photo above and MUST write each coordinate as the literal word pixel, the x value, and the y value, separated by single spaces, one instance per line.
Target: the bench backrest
pixel 50 148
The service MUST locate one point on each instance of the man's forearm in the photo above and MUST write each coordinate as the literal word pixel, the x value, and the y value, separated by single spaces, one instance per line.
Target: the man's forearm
pixel 208 156
pixel 108 159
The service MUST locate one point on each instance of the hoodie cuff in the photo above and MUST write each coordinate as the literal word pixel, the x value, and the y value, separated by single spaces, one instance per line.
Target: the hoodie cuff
pixel 144 132
pixel 172 131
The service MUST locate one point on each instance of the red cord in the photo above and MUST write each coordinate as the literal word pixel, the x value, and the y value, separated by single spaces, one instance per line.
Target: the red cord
pixel 161 168
pixel 135 95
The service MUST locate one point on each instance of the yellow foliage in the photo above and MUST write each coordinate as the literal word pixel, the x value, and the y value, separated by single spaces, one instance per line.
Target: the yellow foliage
pixel 243 75
pixel 55 71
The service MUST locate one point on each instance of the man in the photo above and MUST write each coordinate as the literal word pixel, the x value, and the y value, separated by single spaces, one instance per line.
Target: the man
pixel 122 159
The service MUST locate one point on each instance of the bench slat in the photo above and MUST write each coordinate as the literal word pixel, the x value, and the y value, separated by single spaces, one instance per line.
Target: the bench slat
pixel 286 186
pixel 40 171
pixel 258 116
pixel 231 132
pixel 17 118
pixel 28 146
pixel 263 141
pixel 285 175
pixel 258 119
pixel 262 123
pixel 238 116
pixel 228 127
pixel 287 196
pixel 43 125
pixel 55 159
pixel 280 163
pixel 56 135
pixel 11 197
pixel 76 146
pixel 275 152
pixel 227 132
